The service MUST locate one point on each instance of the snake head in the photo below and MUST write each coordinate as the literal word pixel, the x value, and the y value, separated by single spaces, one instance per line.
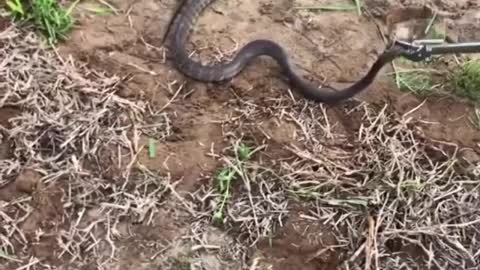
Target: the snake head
pixel 413 52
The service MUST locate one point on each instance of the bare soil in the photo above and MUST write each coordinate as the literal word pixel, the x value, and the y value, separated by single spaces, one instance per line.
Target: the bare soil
pixel 204 119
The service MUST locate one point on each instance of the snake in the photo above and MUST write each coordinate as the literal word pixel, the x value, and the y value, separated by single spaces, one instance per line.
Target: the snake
pixel 187 15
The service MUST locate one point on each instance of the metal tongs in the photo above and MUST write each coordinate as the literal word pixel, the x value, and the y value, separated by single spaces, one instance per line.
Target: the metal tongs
pixel 420 50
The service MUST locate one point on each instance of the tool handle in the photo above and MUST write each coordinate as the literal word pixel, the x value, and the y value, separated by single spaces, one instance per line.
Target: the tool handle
pixel 420 51
pixel 467 47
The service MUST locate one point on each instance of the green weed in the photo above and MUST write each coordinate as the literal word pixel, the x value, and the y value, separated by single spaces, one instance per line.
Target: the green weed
pixel 48 16
pixel 226 176
pixel 412 185
pixel 417 81
pixel 98 8
pixel 466 81
pixel 16 8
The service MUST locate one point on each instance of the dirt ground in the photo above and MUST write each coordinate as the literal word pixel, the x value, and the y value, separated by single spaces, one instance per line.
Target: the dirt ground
pixel 199 124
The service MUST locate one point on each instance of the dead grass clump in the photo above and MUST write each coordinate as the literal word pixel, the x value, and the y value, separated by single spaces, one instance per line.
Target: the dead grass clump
pixel 395 201
pixel 256 205
pixel 392 200
pixel 72 129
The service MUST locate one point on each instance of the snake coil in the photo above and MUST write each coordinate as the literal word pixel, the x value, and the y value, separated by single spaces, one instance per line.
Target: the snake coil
pixel 188 14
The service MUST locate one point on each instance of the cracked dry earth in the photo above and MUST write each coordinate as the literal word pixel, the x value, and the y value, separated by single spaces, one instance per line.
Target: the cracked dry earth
pixel 325 190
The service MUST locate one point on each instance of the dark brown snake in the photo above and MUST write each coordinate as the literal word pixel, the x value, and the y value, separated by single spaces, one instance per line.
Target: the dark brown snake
pixel 188 14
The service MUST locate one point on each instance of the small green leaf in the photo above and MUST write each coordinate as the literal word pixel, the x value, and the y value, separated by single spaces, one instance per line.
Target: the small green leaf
pixel 16 7
pixel 245 152
pixel 3 254
pixel 151 148
pixel 218 215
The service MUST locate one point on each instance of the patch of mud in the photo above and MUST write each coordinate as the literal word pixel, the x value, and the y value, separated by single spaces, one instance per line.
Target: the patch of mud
pixel 113 42
pixel 46 218
pixel 440 118
pixel 26 182
pixel 40 226
pixel 300 244
pixel 4 23
pixel 148 246
pixel 466 28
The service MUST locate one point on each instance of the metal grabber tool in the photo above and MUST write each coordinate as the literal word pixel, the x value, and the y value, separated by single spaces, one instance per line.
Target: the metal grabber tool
pixel 420 50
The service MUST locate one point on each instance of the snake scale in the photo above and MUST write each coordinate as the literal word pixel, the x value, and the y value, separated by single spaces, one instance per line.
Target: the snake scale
pixel 187 15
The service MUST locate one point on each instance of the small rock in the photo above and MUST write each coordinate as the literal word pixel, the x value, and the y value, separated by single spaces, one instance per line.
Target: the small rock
pixel 470 156
pixel 27 181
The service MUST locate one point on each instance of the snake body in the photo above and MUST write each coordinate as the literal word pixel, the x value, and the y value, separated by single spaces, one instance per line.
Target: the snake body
pixel 186 17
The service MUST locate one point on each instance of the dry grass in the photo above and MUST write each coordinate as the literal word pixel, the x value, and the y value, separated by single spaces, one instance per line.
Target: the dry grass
pixel 76 133
pixel 389 191
pixel 398 188
pixel 394 200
